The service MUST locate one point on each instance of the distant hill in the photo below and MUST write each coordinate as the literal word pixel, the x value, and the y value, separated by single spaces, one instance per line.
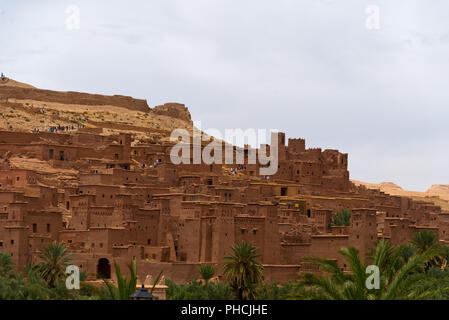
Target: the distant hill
pixel 441 190
pixel 18 90
pixel 438 194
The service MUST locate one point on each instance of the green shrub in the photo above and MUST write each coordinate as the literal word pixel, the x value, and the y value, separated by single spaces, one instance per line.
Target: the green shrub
pixel 342 218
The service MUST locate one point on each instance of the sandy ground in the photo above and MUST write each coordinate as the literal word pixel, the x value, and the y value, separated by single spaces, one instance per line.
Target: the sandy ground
pixel 29 117
pixel 13 83
pixel 39 166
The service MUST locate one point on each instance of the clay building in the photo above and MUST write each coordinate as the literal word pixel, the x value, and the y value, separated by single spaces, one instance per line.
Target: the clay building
pixel 119 197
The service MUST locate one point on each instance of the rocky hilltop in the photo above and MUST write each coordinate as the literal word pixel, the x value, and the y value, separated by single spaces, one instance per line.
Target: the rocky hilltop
pixel 21 92
pixel 173 110
pixel 27 108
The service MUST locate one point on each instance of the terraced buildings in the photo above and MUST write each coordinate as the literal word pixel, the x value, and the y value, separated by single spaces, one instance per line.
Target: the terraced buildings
pixel 102 182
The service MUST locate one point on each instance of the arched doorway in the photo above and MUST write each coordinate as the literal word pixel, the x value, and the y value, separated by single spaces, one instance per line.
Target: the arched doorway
pixel 104 268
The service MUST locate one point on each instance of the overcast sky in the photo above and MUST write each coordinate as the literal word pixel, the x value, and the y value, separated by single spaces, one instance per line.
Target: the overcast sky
pixel 310 68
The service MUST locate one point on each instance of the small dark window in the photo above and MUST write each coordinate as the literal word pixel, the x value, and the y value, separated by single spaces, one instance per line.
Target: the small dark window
pixel 149 241
pixel 283 191
pixel 34 228
pixel 48 228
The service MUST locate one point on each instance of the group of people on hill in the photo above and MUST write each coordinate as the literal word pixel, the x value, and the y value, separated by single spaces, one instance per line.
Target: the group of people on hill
pixel 143 165
pixel 59 128
pixel 239 167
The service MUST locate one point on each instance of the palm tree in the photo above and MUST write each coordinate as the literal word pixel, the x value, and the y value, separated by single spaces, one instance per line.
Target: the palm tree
pixel 6 264
pixel 207 271
pixel 424 240
pixel 399 278
pixel 124 286
pixel 55 258
pixel 243 270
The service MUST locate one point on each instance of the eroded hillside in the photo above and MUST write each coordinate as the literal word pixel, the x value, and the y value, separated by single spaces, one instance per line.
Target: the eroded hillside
pixel 26 108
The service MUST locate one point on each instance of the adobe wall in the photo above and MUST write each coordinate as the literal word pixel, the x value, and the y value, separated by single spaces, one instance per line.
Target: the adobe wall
pixel 191 214
pixel 177 272
pixel 281 273
pixel 291 254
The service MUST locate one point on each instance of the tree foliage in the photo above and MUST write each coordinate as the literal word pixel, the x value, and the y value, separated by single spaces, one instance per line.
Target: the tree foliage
pixel 243 270
pixel 341 218
pixel 400 278
pixel 124 288
pixel 195 290
pixel 207 271
pixel 55 258
pixel 40 281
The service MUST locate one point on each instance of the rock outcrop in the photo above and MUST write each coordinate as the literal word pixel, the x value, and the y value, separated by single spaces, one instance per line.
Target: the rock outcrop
pixel 173 110
pixel 70 97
